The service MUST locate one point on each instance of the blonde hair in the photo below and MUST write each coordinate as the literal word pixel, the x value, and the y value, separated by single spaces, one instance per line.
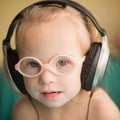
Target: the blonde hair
pixel 43 14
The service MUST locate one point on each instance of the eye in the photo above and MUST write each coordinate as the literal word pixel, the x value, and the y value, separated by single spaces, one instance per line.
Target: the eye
pixel 64 65
pixel 33 64
pixel 62 62
pixel 29 64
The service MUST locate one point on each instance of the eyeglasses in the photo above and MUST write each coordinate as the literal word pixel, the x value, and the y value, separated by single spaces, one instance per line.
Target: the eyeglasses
pixel 59 65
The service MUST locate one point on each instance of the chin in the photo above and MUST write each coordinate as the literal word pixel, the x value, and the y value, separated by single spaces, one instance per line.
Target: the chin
pixel 55 104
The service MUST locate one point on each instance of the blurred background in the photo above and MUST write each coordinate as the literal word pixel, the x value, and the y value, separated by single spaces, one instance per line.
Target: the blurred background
pixel 105 11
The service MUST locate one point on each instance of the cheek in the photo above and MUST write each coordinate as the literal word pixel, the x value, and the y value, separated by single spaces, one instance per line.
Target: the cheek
pixel 72 86
pixel 30 85
pixel 75 81
pixel 71 83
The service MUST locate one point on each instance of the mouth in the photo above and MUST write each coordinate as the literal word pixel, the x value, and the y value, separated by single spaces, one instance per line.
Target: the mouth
pixel 51 95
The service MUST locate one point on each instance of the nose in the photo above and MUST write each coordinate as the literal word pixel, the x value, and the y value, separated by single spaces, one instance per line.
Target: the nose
pixel 47 77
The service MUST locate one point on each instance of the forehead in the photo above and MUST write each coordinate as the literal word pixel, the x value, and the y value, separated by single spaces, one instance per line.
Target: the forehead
pixel 39 15
pixel 60 35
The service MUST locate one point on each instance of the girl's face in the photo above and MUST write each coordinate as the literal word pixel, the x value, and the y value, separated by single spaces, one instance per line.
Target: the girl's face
pixel 44 41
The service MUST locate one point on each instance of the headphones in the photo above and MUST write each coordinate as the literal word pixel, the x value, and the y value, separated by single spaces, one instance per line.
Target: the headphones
pixel 95 62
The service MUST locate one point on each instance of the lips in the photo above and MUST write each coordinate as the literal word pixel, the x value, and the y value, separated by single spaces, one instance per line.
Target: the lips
pixel 51 95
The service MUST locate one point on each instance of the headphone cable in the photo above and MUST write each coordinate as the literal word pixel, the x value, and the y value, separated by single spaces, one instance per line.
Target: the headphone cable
pixel 88 108
pixel 36 110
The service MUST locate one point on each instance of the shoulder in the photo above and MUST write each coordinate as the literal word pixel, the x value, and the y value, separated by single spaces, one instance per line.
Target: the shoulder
pixel 23 110
pixel 103 107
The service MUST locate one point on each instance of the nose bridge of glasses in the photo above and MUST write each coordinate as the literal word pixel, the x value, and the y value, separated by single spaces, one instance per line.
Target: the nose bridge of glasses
pixel 46 67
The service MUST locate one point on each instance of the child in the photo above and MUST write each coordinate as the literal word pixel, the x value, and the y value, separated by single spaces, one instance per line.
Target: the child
pixel 52 43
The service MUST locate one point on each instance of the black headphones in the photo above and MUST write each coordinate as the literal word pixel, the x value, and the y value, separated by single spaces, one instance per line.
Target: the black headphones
pixel 95 62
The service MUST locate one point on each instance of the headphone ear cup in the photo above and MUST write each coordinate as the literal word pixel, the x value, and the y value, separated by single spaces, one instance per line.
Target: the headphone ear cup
pixel 12 59
pixel 90 65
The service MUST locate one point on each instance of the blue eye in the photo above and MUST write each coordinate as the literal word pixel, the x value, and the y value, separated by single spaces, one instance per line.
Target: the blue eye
pixel 33 64
pixel 30 67
pixel 62 63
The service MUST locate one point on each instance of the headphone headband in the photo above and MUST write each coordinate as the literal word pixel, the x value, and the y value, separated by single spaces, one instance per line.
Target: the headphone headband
pixel 63 4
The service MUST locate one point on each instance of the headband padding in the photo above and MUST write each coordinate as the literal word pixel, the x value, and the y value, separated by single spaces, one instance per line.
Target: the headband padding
pixel 12 59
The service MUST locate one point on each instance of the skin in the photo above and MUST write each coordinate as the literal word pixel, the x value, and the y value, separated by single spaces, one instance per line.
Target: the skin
pixel 47 40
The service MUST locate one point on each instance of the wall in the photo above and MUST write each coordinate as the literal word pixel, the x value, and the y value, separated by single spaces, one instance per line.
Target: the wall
pixel 105 11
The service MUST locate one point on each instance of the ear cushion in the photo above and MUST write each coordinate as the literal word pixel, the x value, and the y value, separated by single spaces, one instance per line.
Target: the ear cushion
pixel 12 59
pixel 89 66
